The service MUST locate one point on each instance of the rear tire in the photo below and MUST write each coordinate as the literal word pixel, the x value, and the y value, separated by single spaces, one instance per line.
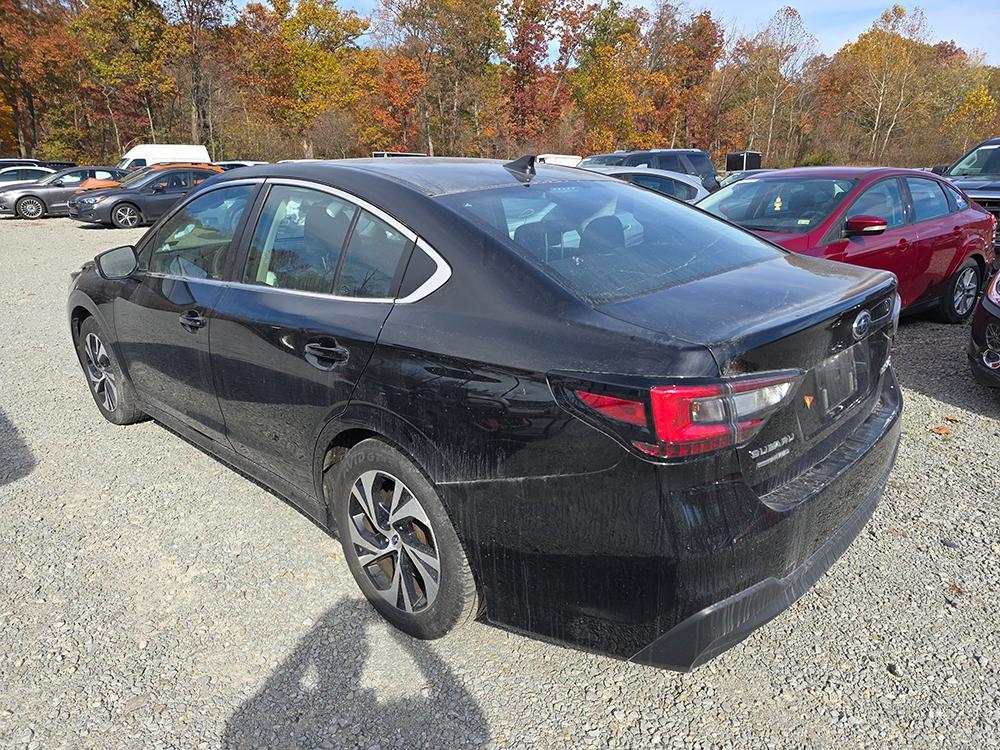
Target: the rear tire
pixel 961 293
pixel 399 543
pixel 29 208
pixel 113 393
pixel 126 216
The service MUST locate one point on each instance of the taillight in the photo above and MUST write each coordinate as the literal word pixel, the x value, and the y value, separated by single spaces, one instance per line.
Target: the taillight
pixel 679 420
pixel 993 290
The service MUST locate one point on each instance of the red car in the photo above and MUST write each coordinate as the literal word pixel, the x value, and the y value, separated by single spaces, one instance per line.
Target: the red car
pixel 915 224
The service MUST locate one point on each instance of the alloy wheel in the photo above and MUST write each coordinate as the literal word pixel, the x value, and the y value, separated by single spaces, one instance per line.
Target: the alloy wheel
pixel 966 291
pixel 394 541
pixel 100 373
pixel 126 216
pixel 30 208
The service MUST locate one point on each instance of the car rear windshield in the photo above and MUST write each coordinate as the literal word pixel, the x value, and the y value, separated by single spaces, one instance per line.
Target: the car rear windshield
pixel 793 204
pixel 608 240
pixel 702 164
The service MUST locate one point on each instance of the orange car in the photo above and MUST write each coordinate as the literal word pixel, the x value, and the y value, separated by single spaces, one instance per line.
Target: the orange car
pixel 93 183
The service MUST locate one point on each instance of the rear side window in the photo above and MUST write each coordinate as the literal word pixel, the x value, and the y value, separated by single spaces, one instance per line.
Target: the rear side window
pixel 607 241
pixel 882 200
pixel 103 174
pixel 373 255
pixel 929 201
pixel 664 185
pixel 671 163
pixel 958 201
pixel 298 240
pixel 703 166
pixel 194 242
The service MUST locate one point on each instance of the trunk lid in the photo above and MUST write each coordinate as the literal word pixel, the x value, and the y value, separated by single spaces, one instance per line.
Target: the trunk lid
pixel 790 313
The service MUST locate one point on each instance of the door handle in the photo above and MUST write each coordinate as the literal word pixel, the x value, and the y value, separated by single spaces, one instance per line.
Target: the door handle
pixel 957 232
pixel 903 244
pixel 192 320
pixel 325 357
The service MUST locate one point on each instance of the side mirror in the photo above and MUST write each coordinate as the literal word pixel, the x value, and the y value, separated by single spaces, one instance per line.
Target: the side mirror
pixel 940 168
pixel 117 263
pixel 865 226
pixel 58 183
pixel 157 188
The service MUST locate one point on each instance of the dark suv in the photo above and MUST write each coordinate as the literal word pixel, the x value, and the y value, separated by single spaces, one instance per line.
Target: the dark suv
pixel 978 174
pixel 684 160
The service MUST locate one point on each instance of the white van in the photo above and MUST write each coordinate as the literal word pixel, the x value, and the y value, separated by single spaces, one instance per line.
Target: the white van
pixel 563 160
pixel 163 153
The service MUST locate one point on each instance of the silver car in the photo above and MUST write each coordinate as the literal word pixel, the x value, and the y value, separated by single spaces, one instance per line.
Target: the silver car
pixel 50 195
pixel 683 187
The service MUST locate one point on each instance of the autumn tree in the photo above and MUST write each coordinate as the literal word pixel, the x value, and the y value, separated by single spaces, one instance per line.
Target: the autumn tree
pixel 127 46
pixel 975 117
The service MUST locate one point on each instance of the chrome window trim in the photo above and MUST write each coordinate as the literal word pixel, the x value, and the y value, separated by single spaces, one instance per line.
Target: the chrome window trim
pixel 437 279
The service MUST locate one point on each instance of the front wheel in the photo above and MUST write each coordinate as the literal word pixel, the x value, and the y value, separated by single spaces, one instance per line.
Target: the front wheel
pixel 399 543
pixel 112 393
pixel 29 208
pixel 125 216
pixel 961 293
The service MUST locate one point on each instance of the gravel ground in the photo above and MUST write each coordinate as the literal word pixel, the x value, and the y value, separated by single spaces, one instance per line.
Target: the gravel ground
pixel 153 598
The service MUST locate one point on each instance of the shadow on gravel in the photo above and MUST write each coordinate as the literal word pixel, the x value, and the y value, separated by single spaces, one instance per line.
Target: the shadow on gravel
pixel 316 698
pixel 16 459
pixel 931 358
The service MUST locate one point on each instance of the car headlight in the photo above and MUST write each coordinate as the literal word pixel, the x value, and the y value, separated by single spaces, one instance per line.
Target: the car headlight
pixel 993 290
pixel 897 306
pixel 91 200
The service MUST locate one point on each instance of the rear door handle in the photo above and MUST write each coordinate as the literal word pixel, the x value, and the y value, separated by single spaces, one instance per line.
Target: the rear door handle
pixel 192 320
pixel 325 357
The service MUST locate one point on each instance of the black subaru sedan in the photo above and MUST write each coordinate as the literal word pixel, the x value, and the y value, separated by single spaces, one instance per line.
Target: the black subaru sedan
pixel 576 408
pixel 984 348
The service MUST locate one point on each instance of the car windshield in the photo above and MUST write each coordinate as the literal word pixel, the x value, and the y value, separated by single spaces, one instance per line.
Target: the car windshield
pixel 984 160
pixel 790 204
pixel 136 177
pixel 608 240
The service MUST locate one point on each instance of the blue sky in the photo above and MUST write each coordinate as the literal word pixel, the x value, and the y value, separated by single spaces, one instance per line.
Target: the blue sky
pixel 972 24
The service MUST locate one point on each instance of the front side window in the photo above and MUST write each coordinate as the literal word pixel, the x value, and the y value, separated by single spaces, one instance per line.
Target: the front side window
pixel 795 204
pixel 664 185
pixel 74 178
pixel 298 240
pixel 172 182
pixel 372 259
pixel 883 201
pixel 929 200
pixel 607 241
pixel 703 166
pixel 984 160
pixel 194 242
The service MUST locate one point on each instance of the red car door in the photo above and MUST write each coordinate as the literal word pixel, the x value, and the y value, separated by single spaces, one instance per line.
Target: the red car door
pixel 896 249
pixel 940 237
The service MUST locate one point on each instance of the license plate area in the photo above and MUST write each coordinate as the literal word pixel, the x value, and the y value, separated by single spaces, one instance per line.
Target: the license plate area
pixel 833 387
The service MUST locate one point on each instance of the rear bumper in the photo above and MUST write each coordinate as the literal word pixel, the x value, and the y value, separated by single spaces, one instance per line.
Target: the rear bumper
pixel 668 566
pixel 716 628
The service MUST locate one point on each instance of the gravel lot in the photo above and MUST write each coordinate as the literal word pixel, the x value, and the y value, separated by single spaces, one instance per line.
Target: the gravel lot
pixel 153 598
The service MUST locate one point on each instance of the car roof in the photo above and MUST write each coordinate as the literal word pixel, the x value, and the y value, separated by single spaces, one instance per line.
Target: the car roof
pixel 429 176
pixel 851 173
pixel 687 179
pixel 25 166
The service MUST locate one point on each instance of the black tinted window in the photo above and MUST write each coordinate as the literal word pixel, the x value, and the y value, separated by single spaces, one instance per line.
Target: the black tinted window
pixel 608 241
pixel 373 255
pixel 670 162
pixel 702 164
pixel 928 198
pixel 298 240
pixel 194 241
pixel 664 185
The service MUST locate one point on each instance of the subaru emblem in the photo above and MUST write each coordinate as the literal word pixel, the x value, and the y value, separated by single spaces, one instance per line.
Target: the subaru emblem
pixel 862 325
